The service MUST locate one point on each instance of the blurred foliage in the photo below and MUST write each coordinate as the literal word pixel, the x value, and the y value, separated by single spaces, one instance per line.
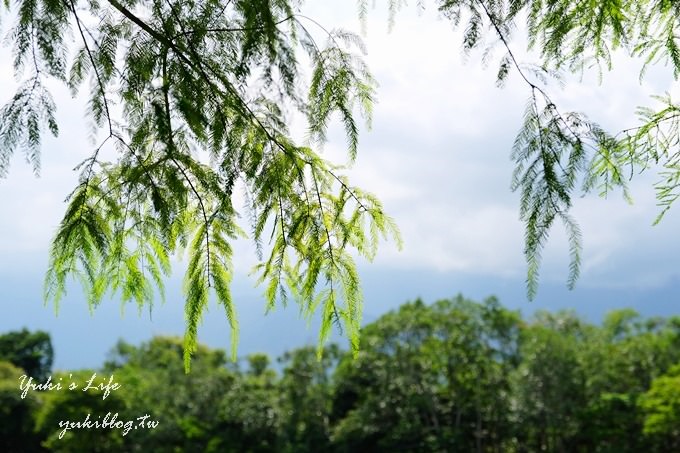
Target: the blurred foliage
pixel 455 375
pixel 30 351
pixel 17 414
pixel 661 407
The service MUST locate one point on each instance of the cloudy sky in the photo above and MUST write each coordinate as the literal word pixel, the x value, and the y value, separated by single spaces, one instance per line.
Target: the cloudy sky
pixel 438 156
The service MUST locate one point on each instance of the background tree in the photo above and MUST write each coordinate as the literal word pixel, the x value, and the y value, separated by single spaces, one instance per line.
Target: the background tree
pixel 549 384
pixel 74 406
pixel 305 389
pixel 186 406
pixel 386 400
pixel 250 411
pixel 215 408
pixel 453 375
pixel 30 351
pixel 429 378
pixel 661 406
pixel 17 415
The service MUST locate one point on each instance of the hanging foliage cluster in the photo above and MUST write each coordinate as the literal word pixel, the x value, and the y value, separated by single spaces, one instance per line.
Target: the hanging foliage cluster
pixel 559 154
pixel 194 79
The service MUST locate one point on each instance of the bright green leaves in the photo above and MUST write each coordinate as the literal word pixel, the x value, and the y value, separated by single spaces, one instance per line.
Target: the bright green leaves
pixel 210 266
pixel 661 405
pixel 658 40
pixel 656 143
pixel 578 34
pixel 81 242
pixel 120 231
pixel 340 80
pixel 110 246
pixel 203 94
pixel 652 145
pixel 313 228
pixel 610 165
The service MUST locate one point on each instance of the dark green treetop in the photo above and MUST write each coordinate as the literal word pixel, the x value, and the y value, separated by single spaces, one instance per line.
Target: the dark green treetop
pixel 30 351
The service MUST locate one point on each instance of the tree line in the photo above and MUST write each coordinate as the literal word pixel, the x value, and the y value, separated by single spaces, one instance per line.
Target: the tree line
pixel 455 375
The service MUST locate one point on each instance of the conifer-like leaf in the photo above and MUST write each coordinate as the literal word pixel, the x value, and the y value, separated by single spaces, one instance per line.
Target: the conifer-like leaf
pixel 549 155
pixel 555 150
pixel 181 78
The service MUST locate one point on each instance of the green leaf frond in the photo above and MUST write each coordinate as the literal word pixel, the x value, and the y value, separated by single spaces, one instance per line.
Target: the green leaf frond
pixel 549 156
pixel 195 99
pixel 210 266
pixel 339 81
pixel 22 120
pixel 554 150
pixel 317 216
pixel 610 165
pixel 656 143
pixel 656 24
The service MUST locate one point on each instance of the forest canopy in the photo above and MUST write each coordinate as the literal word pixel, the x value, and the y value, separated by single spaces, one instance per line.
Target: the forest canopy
pixel 454 375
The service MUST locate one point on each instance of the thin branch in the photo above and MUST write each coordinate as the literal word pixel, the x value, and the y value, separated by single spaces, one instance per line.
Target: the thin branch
pixel 533 86
pixel 102 90
pixel 94 67
pixel 227 29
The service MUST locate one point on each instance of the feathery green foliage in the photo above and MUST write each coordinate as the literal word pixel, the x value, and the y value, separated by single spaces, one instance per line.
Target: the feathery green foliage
pixel 556 153
pixel 193 99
